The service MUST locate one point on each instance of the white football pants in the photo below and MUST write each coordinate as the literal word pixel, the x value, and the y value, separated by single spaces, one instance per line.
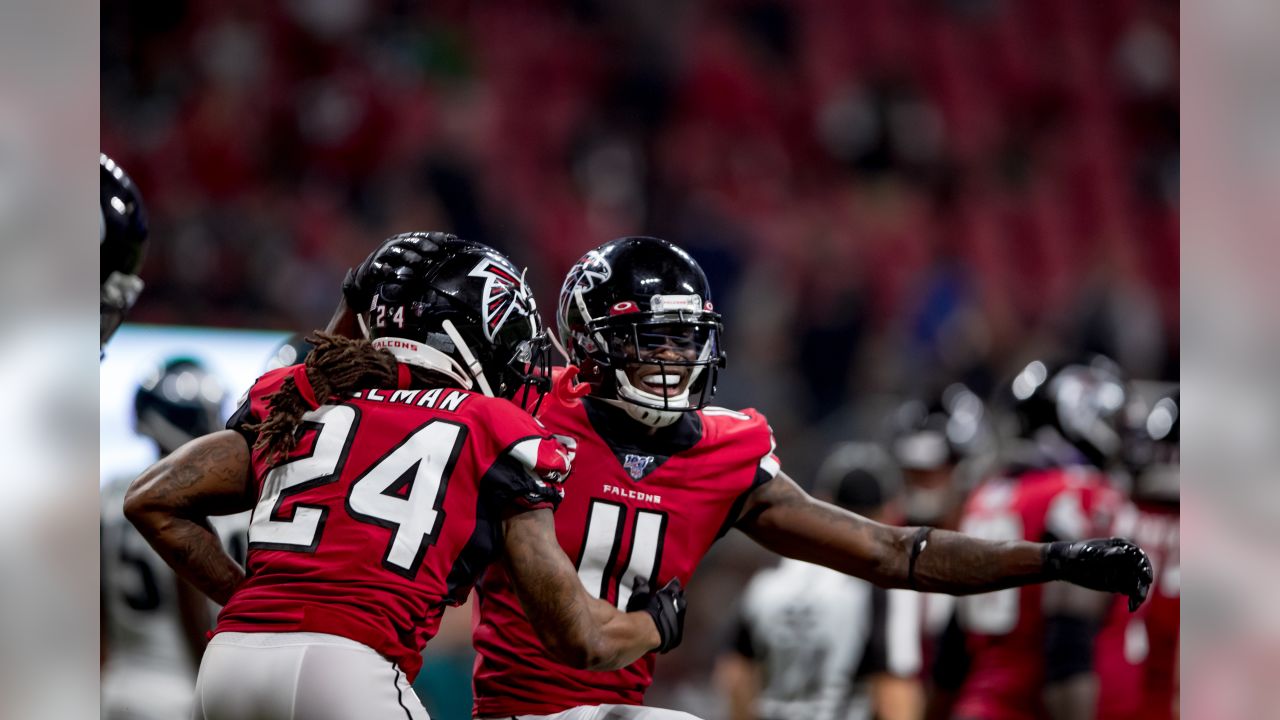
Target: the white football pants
pixel 300 676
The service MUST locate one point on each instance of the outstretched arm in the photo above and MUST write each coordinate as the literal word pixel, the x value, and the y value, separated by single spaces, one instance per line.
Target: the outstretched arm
pixel 784 518
pixel 579 630
pixel 170 504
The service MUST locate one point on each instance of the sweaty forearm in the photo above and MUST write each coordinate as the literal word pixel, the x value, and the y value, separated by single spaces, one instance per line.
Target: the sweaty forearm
pixel 954 563
pixel 622 638
pixel 578 630
pixel 791 523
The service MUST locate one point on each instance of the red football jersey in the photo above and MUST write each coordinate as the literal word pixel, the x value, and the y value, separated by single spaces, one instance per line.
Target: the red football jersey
pixel 388 510
pixel 1004 630
pixel 1137 653
pixel 638 506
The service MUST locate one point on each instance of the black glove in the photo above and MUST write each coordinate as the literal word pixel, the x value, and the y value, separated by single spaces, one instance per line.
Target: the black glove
pixel 395 252
pixel 666 607
pixel 1107 564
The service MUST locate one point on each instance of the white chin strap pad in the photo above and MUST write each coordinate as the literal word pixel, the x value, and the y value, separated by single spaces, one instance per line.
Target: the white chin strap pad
pixel 633 400
pixel 412 352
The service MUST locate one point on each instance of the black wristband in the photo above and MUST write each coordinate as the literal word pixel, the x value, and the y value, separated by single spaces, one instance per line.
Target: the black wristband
pixel 918 541
pixel 1054 558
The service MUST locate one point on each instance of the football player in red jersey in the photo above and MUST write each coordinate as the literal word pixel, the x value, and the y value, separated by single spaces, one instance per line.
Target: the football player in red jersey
pixel 1031 650
pixel 384 477
pixel 1137 653
pixel 668 474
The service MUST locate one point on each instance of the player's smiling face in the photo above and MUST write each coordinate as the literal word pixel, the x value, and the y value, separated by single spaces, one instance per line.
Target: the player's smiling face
pixel 665 344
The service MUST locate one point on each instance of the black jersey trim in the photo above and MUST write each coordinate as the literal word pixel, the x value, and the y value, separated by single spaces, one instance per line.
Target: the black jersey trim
pixel 625 436
pixel 478 553
pixel 242 418
pixel 734 516
pixel 534 490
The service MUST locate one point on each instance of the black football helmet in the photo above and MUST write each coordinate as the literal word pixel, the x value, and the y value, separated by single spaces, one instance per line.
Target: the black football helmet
pixel 941 432
pixel 179 400
pixel 293 351
pixel 123 244
pixel 939 443
pixel 462 309
pixel 642 302
pixel 1082 403
pixel 1153 452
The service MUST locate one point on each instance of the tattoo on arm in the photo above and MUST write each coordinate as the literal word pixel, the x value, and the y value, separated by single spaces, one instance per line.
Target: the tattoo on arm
pixel 171 501
pixel 782 517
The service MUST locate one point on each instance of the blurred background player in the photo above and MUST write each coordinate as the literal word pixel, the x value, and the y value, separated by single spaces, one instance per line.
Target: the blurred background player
pixel 386 475
pixel 942 445
pixel 153 623
pixel 1031 650
pixel 810 643
pixel 122 245
pixel 1137 653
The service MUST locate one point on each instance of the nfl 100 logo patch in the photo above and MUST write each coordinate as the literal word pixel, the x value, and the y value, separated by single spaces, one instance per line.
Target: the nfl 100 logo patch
pixel 636 465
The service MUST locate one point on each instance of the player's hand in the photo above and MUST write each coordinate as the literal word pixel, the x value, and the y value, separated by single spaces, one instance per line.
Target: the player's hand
pixel 1110 565
pixel 666 607
pixel 381 265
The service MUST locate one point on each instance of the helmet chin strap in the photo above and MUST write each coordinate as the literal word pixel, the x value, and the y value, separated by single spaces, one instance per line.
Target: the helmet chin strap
pixel 412 352
pixel 633 400
pixel 477 371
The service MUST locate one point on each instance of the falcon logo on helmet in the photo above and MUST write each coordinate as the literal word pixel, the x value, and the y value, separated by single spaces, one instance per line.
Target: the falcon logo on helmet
pixel 503 292
pixel 589 272
pixel 635 315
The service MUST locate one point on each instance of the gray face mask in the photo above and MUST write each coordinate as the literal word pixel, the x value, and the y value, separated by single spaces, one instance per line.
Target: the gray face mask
pixel 118 294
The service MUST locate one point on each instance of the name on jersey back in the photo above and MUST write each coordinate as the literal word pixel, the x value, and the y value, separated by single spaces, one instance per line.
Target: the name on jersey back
pixel 435 398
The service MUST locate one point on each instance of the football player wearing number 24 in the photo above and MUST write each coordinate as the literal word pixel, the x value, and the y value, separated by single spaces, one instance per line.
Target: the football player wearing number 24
pixel 385 474
pixel 667 474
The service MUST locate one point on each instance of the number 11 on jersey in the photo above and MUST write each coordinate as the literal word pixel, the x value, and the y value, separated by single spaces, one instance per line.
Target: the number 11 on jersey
pixel 602 544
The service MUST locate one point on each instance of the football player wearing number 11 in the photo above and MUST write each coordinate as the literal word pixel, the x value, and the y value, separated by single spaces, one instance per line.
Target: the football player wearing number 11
pixel 384 474
pixel 662 475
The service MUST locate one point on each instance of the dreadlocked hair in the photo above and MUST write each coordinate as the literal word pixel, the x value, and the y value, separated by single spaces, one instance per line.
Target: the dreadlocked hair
pixel 336 367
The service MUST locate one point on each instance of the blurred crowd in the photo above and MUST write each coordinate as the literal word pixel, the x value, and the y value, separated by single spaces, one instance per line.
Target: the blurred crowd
pixel 888 196
pixel 883 193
